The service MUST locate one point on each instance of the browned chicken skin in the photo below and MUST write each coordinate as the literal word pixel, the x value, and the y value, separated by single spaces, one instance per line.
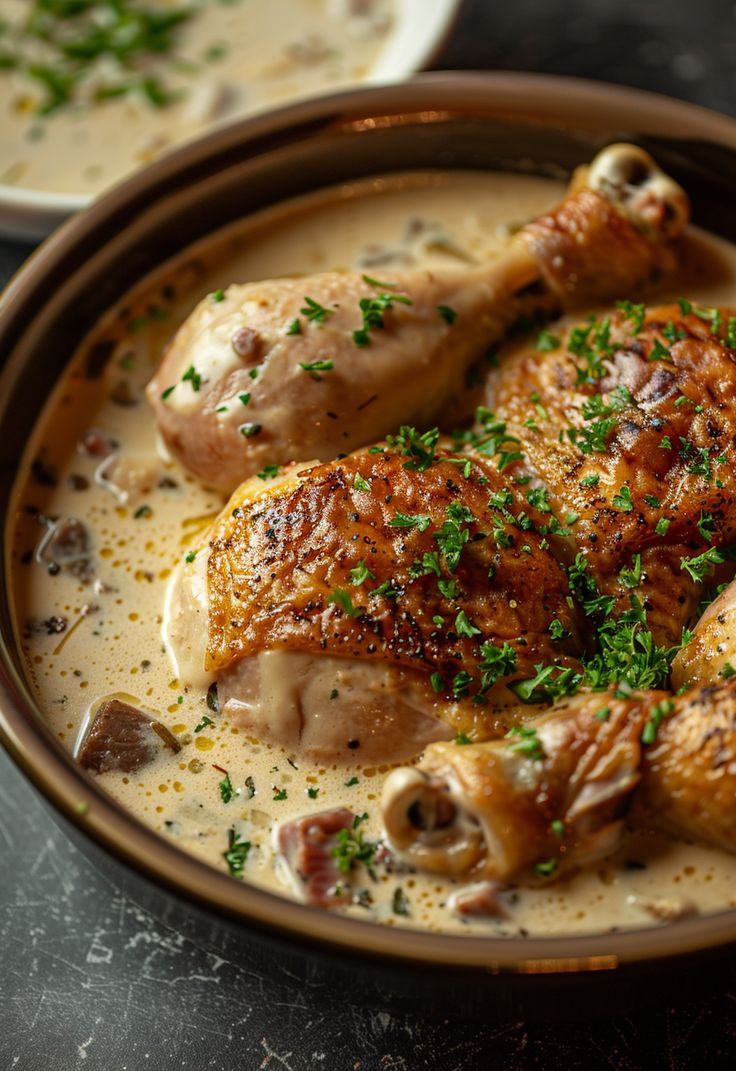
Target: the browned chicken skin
pixel 556 793
pixel 630 423
pixel 294 369
pixel 372 563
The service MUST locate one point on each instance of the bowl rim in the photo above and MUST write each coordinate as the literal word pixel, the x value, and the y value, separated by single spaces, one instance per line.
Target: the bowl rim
pixel 537 99
pixel 422 34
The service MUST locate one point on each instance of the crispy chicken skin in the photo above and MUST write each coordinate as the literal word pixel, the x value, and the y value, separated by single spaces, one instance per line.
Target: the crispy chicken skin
pixel 398 574
pixel 558 794
pixel 425 328
pixel 711 653
pixel 635 437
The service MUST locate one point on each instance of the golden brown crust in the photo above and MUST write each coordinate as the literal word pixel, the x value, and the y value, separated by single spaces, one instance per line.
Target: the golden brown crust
pixel 671 410
pixel 280 571
pixel 555 795
pixel 586 246
pixel 689 773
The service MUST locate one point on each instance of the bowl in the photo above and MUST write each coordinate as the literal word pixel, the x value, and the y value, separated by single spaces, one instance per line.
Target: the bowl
pixel 513 122
pixel 416 36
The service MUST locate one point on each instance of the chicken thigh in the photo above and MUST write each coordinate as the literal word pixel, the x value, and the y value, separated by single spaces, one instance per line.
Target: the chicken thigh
pixel 628 422
pixel 362 608
pixel 291 369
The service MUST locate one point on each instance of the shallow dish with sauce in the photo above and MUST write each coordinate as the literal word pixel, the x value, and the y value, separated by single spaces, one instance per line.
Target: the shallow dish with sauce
pixel 90 92
pixel 422 141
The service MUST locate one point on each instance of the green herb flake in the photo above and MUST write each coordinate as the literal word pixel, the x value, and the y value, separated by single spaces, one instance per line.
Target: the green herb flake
pixel 523 740
pixel 546 342
pixel 699 566
pixel 317 366
pixel 361 573
pixel 345 602
pixel 236 854
pixel 448 315
pixel 352 848
pixel 464 626
pixel 656 716
pixel 314 312
pixel 622 500
pixel 405 520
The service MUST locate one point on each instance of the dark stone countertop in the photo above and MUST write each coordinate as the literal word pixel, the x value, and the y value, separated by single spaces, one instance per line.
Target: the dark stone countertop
pixel 89 980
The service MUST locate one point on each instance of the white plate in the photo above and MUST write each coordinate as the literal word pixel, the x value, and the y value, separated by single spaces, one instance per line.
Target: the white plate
pixel 417 33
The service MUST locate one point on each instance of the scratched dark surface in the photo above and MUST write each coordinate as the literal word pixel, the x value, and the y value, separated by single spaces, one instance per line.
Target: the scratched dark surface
pixel 89 980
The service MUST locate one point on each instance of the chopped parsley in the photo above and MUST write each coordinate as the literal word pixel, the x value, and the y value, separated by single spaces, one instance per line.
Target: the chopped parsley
pixel 448 315
pixel 656 716
pixel 361 573
pixel 192 376
pixel 406 520
pixel 343 599
pixel 352 848
pixel 236 854
pixel 700 566
pixel 294 328
pixel 227 791
pixel 419 449
pixel 372 310
pixel 464 626
pixel 317 366
pixel 633 313
pixel 546 342
pixel 523 739
pixel 314 312
pixel 622 500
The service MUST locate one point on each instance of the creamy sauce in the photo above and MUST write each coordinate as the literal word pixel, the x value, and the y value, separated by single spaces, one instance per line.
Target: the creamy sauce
pixel 87 641
pixel 231 58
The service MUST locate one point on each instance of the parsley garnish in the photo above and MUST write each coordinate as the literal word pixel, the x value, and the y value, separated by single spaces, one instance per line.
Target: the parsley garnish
pixel 634 313
pixel 236 854
pixel 226 789
pixel 343 599
pixel 406 520
pixel 314 312
pixel 373 310
pixel 317 366
pixel 546 342
pixel 656 716
pixel 192 376
pixel 622 500
pixel 699 567
pixel 464 626
pixel 524 741
pixel 420 449
pixel 352 848
pixel 448 315
pixel 268 473
pixel 361 573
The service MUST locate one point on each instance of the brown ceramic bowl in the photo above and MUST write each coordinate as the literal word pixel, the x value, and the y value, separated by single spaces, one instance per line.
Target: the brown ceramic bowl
pixel 510 121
